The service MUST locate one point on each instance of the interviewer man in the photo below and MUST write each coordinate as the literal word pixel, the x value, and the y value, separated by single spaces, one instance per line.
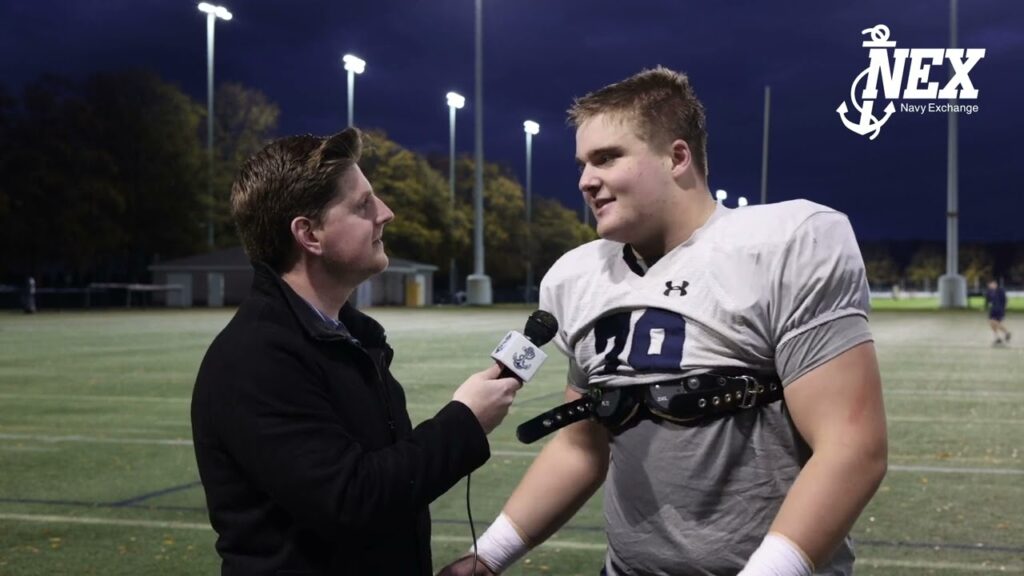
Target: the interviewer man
pixel 306 452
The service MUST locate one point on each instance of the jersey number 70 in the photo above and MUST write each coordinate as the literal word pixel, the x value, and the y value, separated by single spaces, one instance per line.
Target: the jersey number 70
pixel 657 341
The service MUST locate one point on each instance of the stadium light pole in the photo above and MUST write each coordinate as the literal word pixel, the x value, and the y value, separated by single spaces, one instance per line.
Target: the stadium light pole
pixel 952 286
pixel 764 143
pixel 353 65
pixel 532 129
pixel 212 13
pixel 742 201
pixel 721 195
pixel 455 102
pixel 478 284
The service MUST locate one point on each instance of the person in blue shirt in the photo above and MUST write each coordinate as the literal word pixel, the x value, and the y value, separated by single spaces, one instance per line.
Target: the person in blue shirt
pixel 995 302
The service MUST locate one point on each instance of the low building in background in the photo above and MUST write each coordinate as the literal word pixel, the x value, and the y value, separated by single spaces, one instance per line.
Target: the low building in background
pixel 223 278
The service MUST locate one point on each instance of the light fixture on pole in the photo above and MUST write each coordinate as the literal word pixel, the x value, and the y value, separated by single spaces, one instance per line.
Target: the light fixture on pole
pixel 354 65
pixel 721 195
pixel 532 129
pixel 212 13
pixel 455 102
pixel 742 201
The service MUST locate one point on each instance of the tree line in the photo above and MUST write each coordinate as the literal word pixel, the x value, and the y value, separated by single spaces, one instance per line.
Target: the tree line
pixel 104 176
pixel 918 265
pixel 107 175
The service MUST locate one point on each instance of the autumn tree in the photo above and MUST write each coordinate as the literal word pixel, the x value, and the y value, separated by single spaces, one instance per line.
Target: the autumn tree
pixel 244 122
pixel 881 268
pixel 975 265
pixel 926 265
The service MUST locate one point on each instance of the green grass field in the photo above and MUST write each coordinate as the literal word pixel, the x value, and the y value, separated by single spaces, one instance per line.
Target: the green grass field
pixel 97 474
pixel 974 303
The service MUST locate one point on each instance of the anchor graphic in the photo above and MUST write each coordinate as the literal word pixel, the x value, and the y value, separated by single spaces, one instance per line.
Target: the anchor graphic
pixel 868 123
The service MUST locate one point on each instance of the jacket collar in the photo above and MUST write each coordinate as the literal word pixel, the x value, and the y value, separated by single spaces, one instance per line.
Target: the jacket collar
pixel 363 329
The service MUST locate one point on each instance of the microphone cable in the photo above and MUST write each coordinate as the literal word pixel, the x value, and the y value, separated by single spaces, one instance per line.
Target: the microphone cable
pixel 472 529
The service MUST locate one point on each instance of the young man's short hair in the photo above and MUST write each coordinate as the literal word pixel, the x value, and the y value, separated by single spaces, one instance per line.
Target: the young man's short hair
pixel 662 105
pixel 290 177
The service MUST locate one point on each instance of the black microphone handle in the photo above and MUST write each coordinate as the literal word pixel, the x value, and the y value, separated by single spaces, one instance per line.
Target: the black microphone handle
pixel 507 373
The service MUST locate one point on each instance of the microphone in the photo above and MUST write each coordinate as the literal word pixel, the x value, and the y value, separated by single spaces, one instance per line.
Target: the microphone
pixel 519 354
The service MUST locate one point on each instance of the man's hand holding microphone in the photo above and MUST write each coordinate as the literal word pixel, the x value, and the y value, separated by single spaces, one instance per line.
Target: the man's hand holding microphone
pixel 489 393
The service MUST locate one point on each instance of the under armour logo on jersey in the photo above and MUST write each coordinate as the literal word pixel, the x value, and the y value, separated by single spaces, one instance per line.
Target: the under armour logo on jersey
pixel 682 288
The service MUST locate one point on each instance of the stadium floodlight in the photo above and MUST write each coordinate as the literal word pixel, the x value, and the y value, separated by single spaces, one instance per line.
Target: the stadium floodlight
pixel 455 102
pixel 217 11
pixel 721 195
pixel 212 13
pixel 742 201
pixel 532 129
pixel 353 65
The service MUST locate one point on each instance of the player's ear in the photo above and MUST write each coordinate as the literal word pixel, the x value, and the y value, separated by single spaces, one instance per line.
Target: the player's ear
pixel 682 157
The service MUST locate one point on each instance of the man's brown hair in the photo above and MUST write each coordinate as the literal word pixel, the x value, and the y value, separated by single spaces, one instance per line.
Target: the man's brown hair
pixel 661 104
pixel 290 177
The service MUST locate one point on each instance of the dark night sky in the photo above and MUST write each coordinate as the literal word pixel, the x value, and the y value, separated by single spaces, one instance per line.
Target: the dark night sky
pixel 540 54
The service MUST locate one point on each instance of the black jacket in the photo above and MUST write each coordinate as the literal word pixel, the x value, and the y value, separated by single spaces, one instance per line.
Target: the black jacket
pixel 305 449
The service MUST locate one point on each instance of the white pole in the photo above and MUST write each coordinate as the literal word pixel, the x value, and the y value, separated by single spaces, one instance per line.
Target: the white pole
pixel 452 273
pixel 764 144
pixel 351 97
pixel 212 13
pixel 478 285
pixel 353 65
pixel 211 19
pixel 529 216
pixel 478 148
pixel 952 286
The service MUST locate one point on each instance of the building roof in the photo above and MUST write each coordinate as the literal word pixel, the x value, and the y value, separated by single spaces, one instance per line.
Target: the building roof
pixel 235 259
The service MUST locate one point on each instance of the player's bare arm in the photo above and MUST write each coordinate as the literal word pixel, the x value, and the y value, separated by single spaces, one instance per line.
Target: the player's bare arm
pixel 566 473
pixel 838 410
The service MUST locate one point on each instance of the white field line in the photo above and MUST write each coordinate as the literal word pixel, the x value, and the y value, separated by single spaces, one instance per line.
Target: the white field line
pixel 557 543
pixel 26 449
pixel 956 567
pixel 508 453
pixel 96 440
pixel 52 519
pixel 955 470
pixel 186 400
pixel 941 420
pixel 88 398
pixel 955 393
pixel 892 467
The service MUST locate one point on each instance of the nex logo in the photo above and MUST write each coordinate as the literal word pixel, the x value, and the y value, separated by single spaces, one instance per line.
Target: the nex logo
pixel 682 288
pixel 890 70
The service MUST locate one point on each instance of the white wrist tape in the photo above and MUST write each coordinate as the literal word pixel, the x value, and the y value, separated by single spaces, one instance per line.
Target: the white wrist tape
pixel 500 546
pixel 777 556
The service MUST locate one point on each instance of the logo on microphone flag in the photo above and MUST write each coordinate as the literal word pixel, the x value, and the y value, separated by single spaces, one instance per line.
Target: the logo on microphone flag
pixel 519 355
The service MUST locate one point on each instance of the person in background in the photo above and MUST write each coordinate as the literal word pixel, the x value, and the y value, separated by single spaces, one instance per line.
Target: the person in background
pixel 28 296
pixel 995 303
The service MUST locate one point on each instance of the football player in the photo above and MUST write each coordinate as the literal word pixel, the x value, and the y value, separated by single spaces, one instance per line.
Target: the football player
pixel 744 429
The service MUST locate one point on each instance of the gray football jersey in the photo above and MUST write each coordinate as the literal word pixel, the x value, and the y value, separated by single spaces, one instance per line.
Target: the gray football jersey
pixel 771 288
